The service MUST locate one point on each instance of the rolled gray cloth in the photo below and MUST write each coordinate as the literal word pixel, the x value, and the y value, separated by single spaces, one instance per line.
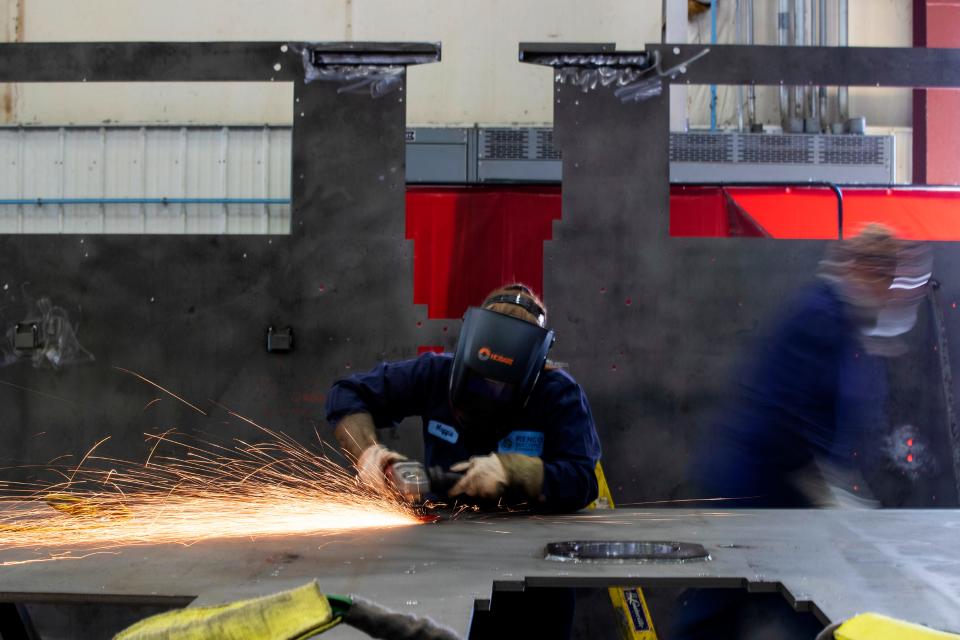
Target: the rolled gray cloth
pixel 827 634
pixel 379 622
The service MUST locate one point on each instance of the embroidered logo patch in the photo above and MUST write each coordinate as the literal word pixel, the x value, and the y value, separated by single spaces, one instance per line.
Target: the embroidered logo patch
pixel 443 431
pixel 529 443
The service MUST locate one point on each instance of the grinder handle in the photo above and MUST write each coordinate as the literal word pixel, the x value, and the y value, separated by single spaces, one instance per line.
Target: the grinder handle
pixel 441 480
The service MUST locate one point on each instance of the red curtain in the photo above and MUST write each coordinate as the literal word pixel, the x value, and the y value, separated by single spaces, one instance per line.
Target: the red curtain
pixel 810 213
pixel 471 240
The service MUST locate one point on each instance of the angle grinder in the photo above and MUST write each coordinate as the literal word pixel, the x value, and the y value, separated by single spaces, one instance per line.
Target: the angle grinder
pixel 415 481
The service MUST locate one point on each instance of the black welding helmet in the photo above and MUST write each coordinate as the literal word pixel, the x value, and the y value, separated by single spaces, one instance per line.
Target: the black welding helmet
pixel 496 366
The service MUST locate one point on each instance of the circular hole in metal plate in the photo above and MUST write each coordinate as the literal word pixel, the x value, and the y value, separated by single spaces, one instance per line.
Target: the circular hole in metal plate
pixel 625 551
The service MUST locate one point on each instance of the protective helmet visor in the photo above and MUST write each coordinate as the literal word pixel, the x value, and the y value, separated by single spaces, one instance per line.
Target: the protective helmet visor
pixel 496 366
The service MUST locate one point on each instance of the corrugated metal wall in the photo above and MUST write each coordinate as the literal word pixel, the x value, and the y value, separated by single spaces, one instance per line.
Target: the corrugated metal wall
pixel 145 163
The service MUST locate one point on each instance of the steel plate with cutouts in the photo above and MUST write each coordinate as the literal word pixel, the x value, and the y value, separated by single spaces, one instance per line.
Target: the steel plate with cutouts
pixel 623 551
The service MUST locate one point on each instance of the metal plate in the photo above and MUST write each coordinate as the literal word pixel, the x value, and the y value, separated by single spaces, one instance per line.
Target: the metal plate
pixel 845 66
pixel 191 311
pixel 835 563
pixel 624 551
pixel 656 326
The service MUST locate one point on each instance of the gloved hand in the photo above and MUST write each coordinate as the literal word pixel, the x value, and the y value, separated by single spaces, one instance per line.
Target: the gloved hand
pixel 484 477
pixel 828 486
pixel 372 466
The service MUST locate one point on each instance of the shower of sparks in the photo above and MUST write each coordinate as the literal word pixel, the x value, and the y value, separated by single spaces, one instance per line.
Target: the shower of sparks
pixel 188 491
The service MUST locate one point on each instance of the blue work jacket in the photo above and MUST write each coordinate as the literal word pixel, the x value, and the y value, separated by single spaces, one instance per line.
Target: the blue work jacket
pixel 811 393
pixel 556 425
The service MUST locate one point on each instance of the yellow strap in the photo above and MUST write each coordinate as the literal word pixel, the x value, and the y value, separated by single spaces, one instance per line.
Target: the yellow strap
pixel 873 626
pixel 604 497
pixel 296 614
pixel 635 620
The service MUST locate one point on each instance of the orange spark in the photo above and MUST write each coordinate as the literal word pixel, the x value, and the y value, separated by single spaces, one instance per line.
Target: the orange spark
pixel 205 491
pixel 166 391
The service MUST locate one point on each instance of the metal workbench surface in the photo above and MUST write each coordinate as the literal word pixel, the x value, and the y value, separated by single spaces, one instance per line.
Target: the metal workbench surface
pixel 903 563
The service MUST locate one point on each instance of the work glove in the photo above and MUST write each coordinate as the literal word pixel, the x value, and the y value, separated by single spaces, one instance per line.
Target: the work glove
pixel 483 477
pixel 828 486
pixel 372 466
pixel 524 474
pixel 490 476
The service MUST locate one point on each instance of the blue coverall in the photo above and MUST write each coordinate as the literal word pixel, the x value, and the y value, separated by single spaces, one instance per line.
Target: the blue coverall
pixel 811 393
pixel 556 424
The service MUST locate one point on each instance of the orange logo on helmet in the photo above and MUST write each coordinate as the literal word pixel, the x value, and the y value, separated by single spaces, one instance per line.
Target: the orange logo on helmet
pixel 485 353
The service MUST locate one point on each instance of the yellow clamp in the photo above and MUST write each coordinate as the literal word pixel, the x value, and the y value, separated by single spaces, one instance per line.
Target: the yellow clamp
pixel 296 614
pixel 873 626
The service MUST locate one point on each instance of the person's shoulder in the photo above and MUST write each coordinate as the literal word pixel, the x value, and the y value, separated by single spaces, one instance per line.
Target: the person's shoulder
pixel 558 380
pixel 433 361
pixel 817 314
pixel 435 356
pixel 424 362
pixel 819 299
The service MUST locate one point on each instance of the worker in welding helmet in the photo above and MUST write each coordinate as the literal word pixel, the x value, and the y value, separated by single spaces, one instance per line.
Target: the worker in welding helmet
pixel 518 428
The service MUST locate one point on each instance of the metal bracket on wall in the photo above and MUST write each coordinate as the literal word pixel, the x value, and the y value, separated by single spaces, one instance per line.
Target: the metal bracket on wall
pixel 373 53
pixel 279 340
pixel 636 75
pixel 27 337
pixel 377 68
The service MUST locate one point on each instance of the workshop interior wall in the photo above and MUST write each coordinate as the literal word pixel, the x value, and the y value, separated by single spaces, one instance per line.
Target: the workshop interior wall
pixel 873 23
pixel 479 80
pixel 653 328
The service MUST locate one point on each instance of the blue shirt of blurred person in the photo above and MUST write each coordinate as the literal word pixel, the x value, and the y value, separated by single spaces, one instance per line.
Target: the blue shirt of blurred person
pixel 812 393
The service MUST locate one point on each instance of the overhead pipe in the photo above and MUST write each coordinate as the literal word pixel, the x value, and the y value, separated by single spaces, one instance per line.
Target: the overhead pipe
pixel 39 202
pixel 752 91
pixel 713 87
pixel 811 121
pixel 738 38
pixel 783 39
pixel 842 35
pixel 797 23
pixel 822 41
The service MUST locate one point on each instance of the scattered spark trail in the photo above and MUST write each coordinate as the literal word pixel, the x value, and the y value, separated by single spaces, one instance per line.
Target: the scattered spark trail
pixel 684 500
pixel 198 491
pixel 166 391
pixel 39 393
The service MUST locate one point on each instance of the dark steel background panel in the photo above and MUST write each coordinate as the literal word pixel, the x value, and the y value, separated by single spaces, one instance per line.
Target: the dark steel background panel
pixel 651 324
pixel 655 327
pixel 774 65
pixel 852 66
pixel 538 49
pixel 191 312
pixel 149 61
pixel 191 61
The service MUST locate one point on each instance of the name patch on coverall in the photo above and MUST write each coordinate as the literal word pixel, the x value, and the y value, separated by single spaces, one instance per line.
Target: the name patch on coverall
pixel 443 431
pixel 528 443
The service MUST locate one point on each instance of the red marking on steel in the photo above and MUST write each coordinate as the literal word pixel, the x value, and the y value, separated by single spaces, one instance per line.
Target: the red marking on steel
pixel 433 348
